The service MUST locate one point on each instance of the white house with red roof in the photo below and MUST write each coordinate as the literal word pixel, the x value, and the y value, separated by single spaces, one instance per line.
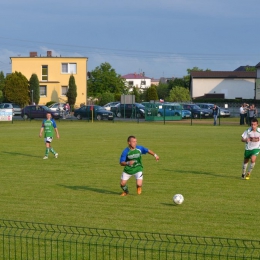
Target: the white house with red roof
pixel 138 80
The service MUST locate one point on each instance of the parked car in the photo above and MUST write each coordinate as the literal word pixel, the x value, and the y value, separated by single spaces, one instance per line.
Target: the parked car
pixel 130 110
pixel 223 112
pixel 206 106
pixel 110 104
pixel 196 111
pixel 99 113
pixel 16 108
pixel 151 108
pixel 37 111
pixel 173 109
pixel 57 106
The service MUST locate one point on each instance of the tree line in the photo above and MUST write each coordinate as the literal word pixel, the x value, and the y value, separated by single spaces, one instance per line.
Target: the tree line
pixel 16 88
pixel 104 85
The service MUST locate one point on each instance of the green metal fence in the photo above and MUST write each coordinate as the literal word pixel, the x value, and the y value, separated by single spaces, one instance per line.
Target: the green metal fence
pixel 27 240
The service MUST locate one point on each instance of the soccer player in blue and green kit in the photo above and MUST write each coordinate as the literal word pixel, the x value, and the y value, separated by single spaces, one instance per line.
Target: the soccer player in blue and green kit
pixel 49 126
pixel 131 159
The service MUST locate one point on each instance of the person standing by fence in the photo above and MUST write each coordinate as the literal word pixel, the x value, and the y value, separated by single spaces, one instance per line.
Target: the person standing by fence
pixel 242 114
pixel 246 110
pixel 251 114
pixel 215 113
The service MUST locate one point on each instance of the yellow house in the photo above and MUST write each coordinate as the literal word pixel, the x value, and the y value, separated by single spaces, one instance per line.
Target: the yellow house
pixel 53 74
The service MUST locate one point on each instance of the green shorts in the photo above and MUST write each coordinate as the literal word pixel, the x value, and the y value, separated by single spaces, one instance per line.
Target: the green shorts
pixel 249 153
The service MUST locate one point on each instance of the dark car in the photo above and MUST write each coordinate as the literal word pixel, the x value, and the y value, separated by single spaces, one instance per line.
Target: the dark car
pixel 223 112
pixel 16 108
pixel 36 111
pixel 135 110
pixel 196 111
pixel 99 113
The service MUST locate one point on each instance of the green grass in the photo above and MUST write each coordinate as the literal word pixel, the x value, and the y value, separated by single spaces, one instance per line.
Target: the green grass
pixel 82 188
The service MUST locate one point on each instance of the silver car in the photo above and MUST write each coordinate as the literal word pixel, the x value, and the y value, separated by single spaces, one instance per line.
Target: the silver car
pixel 16 108
pixel 57 106
pixel 223 112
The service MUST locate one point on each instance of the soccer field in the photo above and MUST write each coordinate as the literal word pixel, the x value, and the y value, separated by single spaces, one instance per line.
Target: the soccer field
pixel 81 187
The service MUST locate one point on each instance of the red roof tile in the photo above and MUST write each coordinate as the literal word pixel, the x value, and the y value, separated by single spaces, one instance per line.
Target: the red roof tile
pixel 134 76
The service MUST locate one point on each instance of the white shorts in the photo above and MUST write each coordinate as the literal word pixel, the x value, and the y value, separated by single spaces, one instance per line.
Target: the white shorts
pixel 125 176
pixel 48 139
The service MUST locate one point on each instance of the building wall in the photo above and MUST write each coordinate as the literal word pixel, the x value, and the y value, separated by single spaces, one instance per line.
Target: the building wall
pixel 56 79
pixel 137 83
pixel 232 88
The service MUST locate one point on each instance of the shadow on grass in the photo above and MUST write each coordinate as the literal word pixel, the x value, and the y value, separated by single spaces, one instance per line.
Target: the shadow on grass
pixel 170 204
pixel 23 154
pixel 202 173
pixel 87 188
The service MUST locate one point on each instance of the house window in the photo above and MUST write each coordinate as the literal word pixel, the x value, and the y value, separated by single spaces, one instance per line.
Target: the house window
pixel 130 83
pixel 69 68
pixel 143 82
pixel 45 72
pixel 64 90
pixel 43 91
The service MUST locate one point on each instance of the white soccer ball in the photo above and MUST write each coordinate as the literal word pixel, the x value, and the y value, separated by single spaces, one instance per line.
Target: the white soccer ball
pixel 178 199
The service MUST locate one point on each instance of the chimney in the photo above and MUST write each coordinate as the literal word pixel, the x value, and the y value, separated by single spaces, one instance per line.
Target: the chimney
pixel 49 54
pixel 33 54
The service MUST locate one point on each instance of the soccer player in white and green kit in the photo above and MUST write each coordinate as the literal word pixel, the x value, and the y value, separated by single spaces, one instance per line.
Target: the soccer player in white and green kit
pixel 49 126
pixel 252 148
pixel 131 160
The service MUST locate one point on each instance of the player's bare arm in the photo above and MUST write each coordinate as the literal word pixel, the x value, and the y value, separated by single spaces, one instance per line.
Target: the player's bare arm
pixel 40 134
pixel 154 154
pixel 57 132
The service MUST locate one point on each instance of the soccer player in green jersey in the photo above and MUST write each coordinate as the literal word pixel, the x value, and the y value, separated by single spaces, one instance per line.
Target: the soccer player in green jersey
pixel 49 126
pixel 252 148
pixel 131 160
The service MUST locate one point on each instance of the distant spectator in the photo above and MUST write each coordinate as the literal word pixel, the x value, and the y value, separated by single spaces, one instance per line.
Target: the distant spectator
pixel 255 115
pixel 242 114
pixel 67 108
pixel 246 109
pixel 215 113
pixel 251 114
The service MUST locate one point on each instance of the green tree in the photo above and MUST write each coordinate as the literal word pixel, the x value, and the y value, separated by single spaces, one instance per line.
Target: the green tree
pixel 152 93
pixel 180 82
pixel 72 92
pixel 16 89
pixel 105 79
pixel 34 87
pixel 143 95
pixel 136 93
pixel 163 91
pixel 2 82
pixel 250 68
pixel 179 94
pixel 106 98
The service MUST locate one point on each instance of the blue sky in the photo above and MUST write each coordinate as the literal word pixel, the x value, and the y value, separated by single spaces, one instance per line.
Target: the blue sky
pixel 161 38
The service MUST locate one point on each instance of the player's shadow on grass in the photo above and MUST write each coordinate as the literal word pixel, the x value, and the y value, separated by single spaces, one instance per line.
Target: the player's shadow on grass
pixel 89 189
pixel 201 173
pixel 23 154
